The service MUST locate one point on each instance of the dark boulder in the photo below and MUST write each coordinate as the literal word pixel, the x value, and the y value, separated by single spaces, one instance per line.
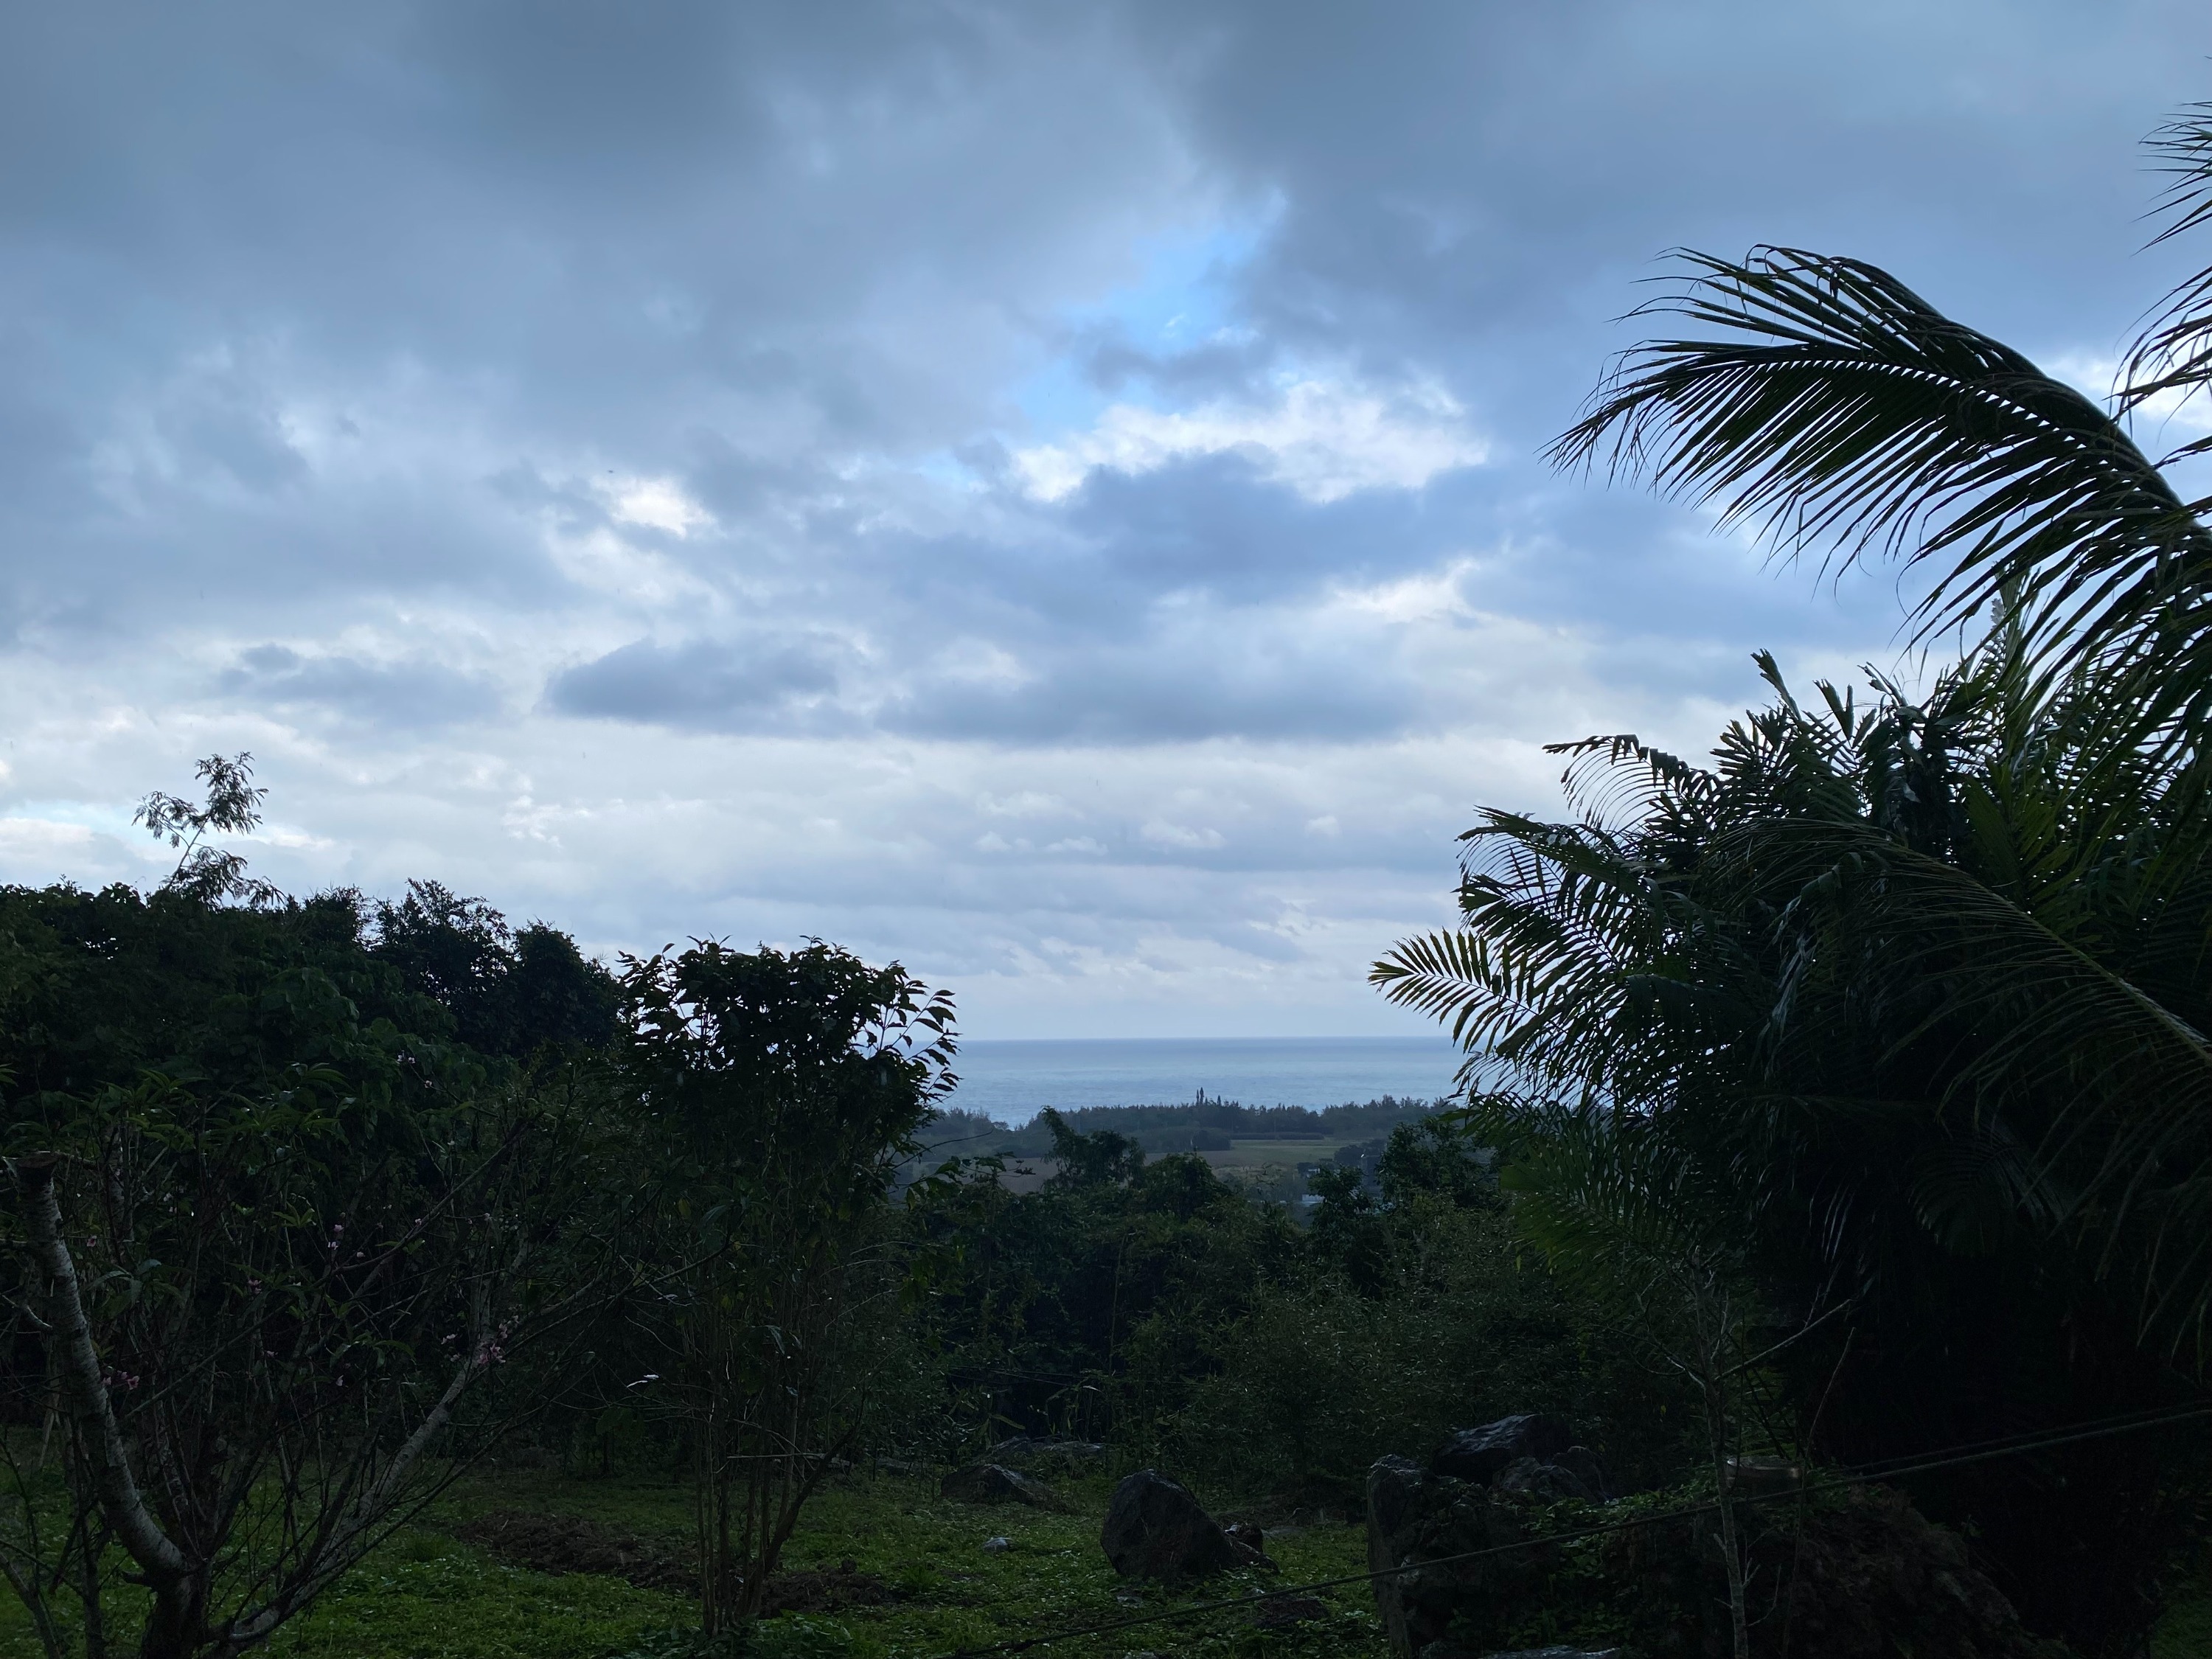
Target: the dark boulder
pixel 1587 1470
pixel 1156 1529
pixel 1250 1545
pixel 1478 1454
pixel 1469 1568
pixel 1575 1473
pixel 991 1483
pixel 1415 1518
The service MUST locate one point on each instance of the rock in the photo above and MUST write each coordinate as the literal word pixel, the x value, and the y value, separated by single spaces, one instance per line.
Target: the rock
pixel 990 1483
pixel 1548 1483
pixel 1764 1477
pixel 1587 1470
pixel 998 1545
pixel 1278 1610
pixel 1156 1529
pixel 1864 1573
pixel 1246 1534
pixel 1414 1517
pixel 1478 1454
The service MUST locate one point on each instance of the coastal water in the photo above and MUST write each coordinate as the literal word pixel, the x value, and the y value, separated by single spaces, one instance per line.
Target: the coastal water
pixel 1010 1079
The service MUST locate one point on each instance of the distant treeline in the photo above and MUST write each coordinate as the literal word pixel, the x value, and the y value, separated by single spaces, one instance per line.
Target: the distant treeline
pixel 1203 1124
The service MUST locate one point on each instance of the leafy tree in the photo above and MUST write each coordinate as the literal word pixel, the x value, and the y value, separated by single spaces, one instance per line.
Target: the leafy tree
pixel 280 1233
pixel 511 992
pixel 233 807
pixel 780 1092
pixel 257 1315
pixel 1094 1305
pixel 1912 987
pixel 1101 1158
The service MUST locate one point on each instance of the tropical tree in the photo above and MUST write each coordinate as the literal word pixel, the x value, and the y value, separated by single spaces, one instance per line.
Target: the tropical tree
pixel 778 1091
pixel 233 807
pixel 259 1329
pixel 1915 985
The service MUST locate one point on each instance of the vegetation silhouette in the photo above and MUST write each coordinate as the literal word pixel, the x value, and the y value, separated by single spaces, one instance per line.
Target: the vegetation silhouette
pixel 1909 991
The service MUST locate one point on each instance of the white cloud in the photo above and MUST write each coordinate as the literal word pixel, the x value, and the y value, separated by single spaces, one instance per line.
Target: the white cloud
pixel 1324 439
pixel 1180 838
pixel 657 504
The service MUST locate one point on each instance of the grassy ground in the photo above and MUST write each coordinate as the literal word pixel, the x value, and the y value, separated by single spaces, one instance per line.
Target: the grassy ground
pixel 428 1596
pixel 2186 1632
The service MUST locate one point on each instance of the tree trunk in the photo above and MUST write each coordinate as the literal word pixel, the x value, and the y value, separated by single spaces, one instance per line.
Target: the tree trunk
pixel 177 1627
pixel 1714 1385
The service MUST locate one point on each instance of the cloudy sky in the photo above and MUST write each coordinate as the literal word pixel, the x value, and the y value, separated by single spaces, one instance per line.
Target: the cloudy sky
pixel 1050 492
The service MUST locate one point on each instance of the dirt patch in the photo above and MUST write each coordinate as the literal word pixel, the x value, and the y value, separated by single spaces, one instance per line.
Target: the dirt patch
pixel 1279 1610
pixel 559 1544
pixel 825 1589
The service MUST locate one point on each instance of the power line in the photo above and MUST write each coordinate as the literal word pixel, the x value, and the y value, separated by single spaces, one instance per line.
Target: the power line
pixel 1948 1457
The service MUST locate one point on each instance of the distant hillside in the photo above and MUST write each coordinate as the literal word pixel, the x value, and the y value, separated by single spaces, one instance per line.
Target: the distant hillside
pixel 1203 1124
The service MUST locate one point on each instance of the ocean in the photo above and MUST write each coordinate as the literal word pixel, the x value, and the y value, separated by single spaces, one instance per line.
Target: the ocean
pixel 1010 1080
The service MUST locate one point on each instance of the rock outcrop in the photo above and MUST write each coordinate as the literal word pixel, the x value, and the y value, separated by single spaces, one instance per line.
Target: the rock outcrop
pixel 1156 1529
pixel 1478 1454
pixel 1466 1565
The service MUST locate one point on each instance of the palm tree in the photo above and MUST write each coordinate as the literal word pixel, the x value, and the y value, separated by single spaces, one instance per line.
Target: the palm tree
pixel 1917 986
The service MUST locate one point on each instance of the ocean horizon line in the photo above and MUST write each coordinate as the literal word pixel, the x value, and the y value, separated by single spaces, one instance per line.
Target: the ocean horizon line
pixel 1015 1078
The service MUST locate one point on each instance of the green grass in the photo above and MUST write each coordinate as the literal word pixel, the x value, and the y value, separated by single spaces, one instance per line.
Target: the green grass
pixel 428 1596
pixel 2186 1633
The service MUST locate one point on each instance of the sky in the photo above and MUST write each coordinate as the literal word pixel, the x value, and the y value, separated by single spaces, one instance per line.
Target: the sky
pixel 1050 493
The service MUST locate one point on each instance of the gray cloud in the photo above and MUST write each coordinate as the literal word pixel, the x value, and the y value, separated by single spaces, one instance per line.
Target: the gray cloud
pixel 857 419
pixel 406 696
pixel 702 685
pixel 1208 687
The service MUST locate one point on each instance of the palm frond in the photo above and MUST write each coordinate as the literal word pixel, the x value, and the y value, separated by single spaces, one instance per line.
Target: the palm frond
pixel 1841 412
pixel 2172 356
pixel 2100 1095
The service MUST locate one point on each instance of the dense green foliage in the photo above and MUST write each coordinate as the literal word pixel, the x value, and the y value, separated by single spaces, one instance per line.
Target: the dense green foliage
pixel 772 1095
pixel 1151 1302
pixel 309 1225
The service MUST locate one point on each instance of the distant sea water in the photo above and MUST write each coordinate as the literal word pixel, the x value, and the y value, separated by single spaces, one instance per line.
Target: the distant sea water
pixel 1010 1080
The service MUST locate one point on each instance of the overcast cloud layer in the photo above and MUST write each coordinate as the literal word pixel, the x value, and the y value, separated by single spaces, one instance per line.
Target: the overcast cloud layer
pixel 1051 493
